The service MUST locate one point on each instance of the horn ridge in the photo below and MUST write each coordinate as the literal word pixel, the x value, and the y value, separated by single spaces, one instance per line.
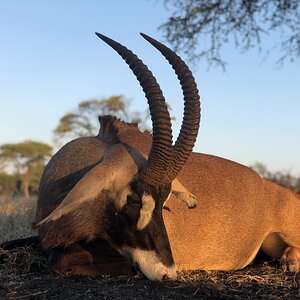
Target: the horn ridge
pixel 186 139
pixel 159 158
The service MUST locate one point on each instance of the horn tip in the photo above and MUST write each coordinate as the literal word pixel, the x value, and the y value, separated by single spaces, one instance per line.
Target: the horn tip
pixel 146 37
pixel 107 40
pixel 152 41
pixel 104 38
pixel 99 35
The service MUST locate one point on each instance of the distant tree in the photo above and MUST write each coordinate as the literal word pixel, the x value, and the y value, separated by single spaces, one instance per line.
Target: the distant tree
pixel 284 179
pixel 201 28
pixel 297 188
pixel 84 120
pixel 7 184
pixel 261 169
pixel 27 160
pixel 35 176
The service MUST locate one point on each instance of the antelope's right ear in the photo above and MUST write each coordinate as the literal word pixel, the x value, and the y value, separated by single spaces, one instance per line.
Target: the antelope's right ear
pixel 111 175
pixel 87 189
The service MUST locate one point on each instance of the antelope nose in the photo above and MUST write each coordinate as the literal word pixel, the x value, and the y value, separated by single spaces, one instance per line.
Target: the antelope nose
pixel 171 274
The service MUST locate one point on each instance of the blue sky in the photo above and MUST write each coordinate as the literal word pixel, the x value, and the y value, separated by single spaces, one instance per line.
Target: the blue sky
pixel 51 60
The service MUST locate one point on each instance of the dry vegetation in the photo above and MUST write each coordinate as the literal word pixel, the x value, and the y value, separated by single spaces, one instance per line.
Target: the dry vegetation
pixel 24 274
pixel 16 216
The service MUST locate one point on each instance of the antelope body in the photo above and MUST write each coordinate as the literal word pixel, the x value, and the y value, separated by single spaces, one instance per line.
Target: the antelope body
pixel 83 225
pixel 237 213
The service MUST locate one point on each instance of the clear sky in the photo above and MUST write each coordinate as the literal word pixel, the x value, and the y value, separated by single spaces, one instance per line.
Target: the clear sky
pixel 50 59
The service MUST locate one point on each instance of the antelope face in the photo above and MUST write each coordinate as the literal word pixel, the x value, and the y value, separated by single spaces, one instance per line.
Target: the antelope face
pixel 138 230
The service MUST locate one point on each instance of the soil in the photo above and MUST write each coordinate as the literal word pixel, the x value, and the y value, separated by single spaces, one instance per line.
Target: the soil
pixel 25 275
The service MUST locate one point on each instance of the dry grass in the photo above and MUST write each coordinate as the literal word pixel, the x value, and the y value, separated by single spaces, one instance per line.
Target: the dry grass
pixel 24 274
pixel 16 216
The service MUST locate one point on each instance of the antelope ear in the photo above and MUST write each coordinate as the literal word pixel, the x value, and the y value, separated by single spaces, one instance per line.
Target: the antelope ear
pixel 86 190
pixel 111 175
pixel 182 194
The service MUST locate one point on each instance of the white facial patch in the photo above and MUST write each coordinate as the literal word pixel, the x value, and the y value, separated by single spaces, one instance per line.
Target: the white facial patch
pixel 148 205
pixel 150 265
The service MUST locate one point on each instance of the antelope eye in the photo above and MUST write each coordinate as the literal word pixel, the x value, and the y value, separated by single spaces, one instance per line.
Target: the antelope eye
pixel 134 199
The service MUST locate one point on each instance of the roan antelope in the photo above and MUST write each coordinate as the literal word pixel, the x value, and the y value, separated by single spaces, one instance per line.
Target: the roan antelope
pixel 237 212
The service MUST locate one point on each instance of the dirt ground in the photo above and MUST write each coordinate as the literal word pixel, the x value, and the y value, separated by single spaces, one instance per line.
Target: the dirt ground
pixel 25 275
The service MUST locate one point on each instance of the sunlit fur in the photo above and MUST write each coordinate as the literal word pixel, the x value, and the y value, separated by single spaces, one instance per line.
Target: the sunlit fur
pixel 237 213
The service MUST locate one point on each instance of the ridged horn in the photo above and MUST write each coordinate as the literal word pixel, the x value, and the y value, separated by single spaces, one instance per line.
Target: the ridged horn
pixel 159 158
pixel 184 144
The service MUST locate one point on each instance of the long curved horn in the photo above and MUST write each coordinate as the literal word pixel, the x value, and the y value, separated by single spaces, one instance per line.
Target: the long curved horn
pixel 159 158
pixel 191 120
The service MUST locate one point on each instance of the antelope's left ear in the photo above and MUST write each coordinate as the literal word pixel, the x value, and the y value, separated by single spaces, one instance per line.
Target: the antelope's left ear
pixel 181 193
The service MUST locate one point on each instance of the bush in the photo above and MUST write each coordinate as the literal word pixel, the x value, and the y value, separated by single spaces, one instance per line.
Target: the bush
pixel 284 179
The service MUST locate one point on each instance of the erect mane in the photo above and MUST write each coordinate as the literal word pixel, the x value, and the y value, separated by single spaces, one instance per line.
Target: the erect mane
pixel 110 127
pixel 113 130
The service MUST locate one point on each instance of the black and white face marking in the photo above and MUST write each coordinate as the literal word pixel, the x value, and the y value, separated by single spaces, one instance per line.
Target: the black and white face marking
pixel 138 230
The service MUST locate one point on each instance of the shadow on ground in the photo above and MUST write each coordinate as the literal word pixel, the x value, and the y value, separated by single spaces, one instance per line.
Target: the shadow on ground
pixel 25 275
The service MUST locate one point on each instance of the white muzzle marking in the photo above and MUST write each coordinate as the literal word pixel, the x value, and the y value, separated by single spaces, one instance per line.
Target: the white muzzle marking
pixel 150 265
